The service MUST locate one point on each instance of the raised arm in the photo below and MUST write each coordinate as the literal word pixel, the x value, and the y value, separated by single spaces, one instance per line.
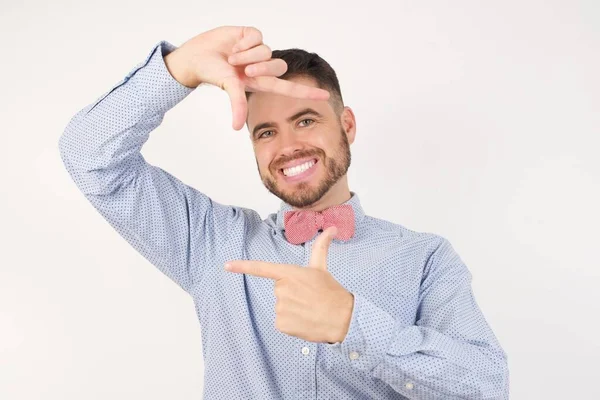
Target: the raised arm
pixel 171 224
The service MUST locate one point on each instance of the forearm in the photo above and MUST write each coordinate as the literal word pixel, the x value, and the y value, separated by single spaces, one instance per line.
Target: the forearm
pixel 421 362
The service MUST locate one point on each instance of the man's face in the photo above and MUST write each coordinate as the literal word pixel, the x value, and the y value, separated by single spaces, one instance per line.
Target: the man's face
pixel 286 130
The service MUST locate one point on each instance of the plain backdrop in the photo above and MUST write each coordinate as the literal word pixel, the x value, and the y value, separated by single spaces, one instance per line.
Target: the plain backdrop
pixel 476 120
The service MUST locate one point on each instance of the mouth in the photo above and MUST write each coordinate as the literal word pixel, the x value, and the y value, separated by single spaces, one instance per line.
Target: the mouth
pixel 299 172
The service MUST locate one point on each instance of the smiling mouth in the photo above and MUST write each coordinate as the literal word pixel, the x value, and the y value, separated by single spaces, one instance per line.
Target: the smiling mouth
pixel 315 162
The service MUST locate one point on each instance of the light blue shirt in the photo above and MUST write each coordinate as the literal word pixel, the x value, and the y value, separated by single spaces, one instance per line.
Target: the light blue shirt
pixel 416 331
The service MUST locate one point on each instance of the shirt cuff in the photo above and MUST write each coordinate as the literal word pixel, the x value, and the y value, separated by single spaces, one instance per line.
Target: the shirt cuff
pixel 154 83
pixel 369 335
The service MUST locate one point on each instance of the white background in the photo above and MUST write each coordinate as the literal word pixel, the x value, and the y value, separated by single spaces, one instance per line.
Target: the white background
pixel 477 120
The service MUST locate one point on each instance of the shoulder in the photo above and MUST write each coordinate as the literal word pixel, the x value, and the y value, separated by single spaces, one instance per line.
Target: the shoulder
pixel 379 225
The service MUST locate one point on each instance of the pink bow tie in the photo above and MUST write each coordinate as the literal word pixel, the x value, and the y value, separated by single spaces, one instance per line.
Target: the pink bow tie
pixel 303 225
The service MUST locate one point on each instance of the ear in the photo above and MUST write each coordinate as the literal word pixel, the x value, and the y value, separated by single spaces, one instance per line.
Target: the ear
pixel 348 121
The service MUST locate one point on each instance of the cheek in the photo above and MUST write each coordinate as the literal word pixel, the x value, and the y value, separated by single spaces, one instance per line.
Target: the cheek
pixel 264 162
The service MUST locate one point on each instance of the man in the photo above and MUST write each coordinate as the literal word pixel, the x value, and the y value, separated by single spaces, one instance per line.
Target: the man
pixel 367 309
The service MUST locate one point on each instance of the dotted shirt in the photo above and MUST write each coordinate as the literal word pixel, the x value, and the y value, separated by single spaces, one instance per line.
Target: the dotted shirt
pixel 416 331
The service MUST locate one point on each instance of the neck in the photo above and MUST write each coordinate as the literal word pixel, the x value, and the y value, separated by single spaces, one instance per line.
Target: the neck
pixel 337 194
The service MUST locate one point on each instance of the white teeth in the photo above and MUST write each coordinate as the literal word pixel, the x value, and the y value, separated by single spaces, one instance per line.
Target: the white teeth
pixel 298 169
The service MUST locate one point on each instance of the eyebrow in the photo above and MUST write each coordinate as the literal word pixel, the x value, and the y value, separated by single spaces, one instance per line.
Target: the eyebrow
pixel 306 111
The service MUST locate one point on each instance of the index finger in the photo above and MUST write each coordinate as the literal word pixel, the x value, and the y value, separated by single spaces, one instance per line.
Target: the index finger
pixel 288 88
pixel 237 97
pixel 263 269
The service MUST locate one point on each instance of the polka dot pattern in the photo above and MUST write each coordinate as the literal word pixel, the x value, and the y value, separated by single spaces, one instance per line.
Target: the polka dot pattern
pixel 416 331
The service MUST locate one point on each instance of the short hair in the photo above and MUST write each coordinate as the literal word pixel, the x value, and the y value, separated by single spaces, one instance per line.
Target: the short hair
pixel 304 64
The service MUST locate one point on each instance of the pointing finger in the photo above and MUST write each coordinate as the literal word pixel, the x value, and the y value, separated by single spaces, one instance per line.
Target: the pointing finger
pixel 262 269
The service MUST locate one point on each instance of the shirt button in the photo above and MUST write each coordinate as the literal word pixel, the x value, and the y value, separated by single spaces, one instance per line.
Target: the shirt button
pixel 305 350
pixel 353 355
pixel 409 386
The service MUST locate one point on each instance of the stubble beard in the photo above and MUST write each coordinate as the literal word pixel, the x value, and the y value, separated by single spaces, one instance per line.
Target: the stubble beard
pixel 304 194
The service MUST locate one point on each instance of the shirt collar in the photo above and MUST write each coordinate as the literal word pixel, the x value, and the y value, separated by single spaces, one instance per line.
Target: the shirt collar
pixel 354 201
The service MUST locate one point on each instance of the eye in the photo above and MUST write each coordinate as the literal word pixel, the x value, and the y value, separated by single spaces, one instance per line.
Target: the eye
pixel 307 119
pixel 261 135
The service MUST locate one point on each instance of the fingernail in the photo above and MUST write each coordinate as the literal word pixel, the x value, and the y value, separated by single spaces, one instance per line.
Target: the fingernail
pixel 228 267
pixel 235 49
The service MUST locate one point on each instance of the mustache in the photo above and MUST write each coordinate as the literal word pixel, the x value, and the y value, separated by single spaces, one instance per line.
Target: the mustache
pixel 297 157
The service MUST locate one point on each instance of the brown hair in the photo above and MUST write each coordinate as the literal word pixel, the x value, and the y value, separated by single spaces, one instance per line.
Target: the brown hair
pixel 305 64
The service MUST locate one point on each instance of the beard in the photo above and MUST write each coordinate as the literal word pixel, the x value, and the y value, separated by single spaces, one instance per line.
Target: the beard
pixel 304 194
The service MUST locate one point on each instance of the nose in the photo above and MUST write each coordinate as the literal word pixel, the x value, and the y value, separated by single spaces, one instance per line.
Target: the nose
pixel 289 143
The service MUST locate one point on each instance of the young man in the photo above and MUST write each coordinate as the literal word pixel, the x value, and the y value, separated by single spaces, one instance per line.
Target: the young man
pixel 367 309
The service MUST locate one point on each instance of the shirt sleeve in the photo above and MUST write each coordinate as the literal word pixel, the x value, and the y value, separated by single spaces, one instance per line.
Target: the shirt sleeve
pixel 171 224
pixel 450 352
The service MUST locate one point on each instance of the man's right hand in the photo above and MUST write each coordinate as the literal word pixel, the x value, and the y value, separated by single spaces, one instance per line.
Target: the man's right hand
pixel 235 59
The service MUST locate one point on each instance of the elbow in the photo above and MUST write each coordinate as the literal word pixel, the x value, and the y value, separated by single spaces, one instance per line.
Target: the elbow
pixel 66 150
pixel 66 141
pixel 63 148
pixel 497 379
pixel 503 377
pixel 89 173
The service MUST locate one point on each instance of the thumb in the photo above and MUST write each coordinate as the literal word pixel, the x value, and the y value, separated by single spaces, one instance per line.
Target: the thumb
pixel 320 248
pixel 237 95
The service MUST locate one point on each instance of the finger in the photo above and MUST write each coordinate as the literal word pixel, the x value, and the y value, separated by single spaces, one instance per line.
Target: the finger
pixel 318 256
pixel 274 67
pixel 262 269
pixel 250 37
pixel 288 88
pixel 253 55
pixel 239 106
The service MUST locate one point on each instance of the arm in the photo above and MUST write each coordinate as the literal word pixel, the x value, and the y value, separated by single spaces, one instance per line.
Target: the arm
pixel 174 226
pixel 171 224
pixel 450 353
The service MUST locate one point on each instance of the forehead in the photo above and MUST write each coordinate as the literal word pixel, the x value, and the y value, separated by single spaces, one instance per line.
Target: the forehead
pixel 267 106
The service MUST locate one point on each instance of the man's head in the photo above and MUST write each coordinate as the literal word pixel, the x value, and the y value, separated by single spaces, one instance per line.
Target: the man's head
pixel 286 130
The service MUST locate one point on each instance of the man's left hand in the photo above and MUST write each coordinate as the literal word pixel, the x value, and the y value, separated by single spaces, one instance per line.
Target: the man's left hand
pixel 311 304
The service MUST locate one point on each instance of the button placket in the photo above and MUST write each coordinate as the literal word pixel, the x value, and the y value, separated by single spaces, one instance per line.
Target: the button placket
pixel 306 377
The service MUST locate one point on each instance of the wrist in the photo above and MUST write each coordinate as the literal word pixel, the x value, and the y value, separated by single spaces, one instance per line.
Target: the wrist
pixel 347 318
pixel 178 67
